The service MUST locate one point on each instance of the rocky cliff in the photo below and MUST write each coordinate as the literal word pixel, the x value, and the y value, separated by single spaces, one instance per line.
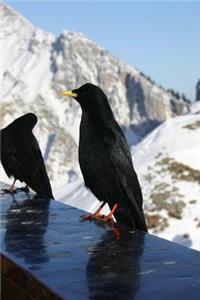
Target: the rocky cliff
pixel 36 65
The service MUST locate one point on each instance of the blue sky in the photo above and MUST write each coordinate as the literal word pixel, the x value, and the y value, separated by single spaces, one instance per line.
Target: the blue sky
pixel 162 39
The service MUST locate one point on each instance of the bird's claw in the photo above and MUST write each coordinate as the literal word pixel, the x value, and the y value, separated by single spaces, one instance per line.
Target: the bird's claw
pixel 84 218
pixel 24 189
pixel 8 191
pixel 104 219
pixel 91 217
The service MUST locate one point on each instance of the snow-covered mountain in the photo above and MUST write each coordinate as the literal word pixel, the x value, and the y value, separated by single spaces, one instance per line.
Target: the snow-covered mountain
pixel 37 64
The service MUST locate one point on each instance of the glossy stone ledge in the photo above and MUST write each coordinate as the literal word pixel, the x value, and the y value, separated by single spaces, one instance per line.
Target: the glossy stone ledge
pixel 85 261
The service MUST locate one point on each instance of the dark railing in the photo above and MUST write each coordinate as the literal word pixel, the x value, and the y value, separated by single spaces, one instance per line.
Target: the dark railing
pixel 47 253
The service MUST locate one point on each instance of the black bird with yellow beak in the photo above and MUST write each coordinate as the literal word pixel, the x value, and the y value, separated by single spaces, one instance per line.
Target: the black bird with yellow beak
pixel 105 159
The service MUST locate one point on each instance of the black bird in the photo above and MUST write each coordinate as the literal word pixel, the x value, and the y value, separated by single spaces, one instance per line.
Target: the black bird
pixel 105 159
pixel 21 156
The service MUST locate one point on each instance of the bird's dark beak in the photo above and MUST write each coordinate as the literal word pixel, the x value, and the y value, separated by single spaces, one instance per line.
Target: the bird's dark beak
pixel 68 93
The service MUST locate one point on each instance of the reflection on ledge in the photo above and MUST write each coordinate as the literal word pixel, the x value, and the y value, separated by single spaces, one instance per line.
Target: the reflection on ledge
pixel 58 257
pixel 26 225
pixel 113 268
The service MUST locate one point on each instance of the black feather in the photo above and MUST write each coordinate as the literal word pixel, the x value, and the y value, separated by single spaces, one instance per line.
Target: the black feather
pixel 21 156
pixel 105 158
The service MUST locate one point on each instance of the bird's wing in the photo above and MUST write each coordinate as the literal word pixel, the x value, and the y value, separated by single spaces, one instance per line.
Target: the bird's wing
pixel 10 159
pixel 34 150
pixel 39 177
pixel 121 162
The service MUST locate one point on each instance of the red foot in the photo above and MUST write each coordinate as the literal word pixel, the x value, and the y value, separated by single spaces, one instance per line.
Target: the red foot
pixel 91 217
pixel 108 218
pixel 25 189
pixel 95 216
pixel 9 191
pixel 12 189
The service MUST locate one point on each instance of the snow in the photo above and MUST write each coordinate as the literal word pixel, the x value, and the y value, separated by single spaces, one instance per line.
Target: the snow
pixel 173 139
pixel 195 107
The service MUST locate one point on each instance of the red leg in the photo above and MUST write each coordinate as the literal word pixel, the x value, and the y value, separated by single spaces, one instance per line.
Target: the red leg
pixel 12 188
pixel 95 215
pixel 109 216
pixel 97 212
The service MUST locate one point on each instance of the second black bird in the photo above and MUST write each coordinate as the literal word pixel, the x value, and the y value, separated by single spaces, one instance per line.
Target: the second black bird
pixel 105 159
pixel 21 156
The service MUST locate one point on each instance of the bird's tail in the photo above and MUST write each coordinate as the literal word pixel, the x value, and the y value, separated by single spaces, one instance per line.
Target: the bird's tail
pixel 135 220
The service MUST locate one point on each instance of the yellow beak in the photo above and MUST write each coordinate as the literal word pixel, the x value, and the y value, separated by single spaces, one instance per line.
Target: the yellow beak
pixel 68 93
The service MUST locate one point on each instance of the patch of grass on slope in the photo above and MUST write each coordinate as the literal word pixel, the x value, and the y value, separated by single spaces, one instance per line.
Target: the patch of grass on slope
pixel 193 126
pixel 180 171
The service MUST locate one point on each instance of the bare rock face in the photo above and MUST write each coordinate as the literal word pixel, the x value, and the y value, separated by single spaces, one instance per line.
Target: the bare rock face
pixel 133 97
pixel 37 65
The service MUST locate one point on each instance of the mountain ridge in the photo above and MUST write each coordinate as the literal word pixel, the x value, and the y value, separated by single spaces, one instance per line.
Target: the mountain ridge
pixel 37 65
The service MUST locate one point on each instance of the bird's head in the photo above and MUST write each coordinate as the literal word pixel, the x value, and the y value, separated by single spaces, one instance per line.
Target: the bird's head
pixel 91 98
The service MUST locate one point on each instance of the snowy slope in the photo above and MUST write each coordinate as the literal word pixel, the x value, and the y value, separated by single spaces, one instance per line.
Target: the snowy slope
pixel 36 65
pixel 168 164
